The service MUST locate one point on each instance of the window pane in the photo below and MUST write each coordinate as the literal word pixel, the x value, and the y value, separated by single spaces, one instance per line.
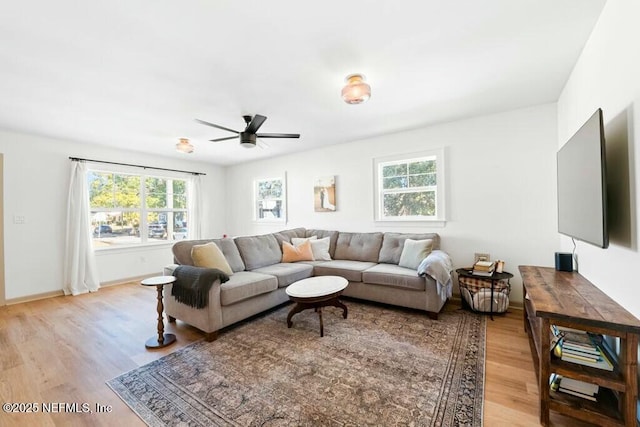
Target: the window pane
pixel 156 189
pixel 111 229
pixel 179 194
pixel 126 191
pixel 180 229
pixel 423 180
pixel 397 182
pixel 270 209
pixel 100 190
pixel 270 189
pixel 157 226
pixel 394 170
pixel 422 167
pixel 410 204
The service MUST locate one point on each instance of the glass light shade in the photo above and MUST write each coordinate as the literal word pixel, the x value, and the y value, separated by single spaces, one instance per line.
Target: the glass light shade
pixel 184 146
pixel 356 91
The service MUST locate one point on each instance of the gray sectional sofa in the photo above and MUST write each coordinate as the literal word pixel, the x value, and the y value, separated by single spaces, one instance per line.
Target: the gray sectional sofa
pixel 369 261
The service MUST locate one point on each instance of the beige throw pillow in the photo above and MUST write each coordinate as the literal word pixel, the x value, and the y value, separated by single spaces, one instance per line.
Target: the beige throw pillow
pixel 414 251
pixel 210 256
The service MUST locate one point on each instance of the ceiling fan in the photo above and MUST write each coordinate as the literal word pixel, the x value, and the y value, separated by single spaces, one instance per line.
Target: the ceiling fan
pixel 248 136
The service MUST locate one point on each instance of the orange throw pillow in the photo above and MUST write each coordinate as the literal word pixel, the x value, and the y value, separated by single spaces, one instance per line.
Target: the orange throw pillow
pixel 292 253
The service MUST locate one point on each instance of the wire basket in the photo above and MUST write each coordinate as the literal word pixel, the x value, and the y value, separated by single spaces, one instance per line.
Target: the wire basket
pixel 477 294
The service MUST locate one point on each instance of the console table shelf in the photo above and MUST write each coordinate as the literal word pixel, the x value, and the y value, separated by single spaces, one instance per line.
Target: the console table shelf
pixel 568 299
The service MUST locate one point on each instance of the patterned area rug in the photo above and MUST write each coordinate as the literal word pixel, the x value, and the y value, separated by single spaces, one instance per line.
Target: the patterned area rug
pixel 381 367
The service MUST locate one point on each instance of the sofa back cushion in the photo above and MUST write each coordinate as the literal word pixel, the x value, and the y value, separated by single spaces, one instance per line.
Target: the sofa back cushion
pixel 358 246
pixel 393 243
pixel 182 252
pixel 259 251
pixel 287 235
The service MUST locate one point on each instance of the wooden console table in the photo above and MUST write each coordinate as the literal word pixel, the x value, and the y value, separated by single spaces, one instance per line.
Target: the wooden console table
pixel 568 299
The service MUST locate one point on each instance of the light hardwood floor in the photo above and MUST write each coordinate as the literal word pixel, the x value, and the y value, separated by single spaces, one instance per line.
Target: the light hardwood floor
pixel 63 350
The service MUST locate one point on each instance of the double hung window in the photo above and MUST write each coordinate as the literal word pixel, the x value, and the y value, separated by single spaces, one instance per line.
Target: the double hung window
pixel 410 187
pixel 129 209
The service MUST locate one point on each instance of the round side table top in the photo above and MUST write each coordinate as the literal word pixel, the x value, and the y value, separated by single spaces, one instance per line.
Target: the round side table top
pixel 158 280
pixel 316 286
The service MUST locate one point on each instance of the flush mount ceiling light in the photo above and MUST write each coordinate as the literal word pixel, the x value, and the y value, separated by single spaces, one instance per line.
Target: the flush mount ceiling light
pixel 184 146
pixel 356 91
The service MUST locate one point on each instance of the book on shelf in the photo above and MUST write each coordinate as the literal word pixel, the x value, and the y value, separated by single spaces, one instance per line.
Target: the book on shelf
pixel 578 394
pixel 573 387
pixel 602 362
pixel 579 386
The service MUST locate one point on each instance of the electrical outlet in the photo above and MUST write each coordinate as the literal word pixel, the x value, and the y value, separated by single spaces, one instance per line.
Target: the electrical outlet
pixel 479 256
pixel 19 219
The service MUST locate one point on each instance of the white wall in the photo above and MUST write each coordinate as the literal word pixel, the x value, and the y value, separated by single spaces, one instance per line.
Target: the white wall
pixel 36 177
pixel 500 177
pixel 607 76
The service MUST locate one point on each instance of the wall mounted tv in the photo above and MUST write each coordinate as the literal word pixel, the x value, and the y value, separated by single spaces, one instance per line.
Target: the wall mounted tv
pixel 582 187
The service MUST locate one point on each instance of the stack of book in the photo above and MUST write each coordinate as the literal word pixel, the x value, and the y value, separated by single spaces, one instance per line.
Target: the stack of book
pixel 580 347
pixel 484 268
pixel 574 387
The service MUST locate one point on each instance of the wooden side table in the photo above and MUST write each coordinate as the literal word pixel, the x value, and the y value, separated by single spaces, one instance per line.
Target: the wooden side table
pixel 162 340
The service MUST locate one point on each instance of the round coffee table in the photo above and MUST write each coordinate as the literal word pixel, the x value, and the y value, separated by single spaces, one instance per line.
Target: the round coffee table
pixel 162 340
pixel 317 292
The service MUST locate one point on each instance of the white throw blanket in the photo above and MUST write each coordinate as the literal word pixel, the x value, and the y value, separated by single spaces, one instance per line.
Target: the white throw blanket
pixel 439 266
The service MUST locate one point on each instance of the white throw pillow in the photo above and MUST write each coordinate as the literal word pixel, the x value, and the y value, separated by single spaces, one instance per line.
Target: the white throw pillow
pixel 414 251
pixel 319 247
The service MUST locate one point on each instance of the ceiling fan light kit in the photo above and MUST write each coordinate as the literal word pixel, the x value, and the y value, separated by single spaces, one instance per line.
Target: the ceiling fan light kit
pixel 356 91
pixel 184 146
pixel 249 136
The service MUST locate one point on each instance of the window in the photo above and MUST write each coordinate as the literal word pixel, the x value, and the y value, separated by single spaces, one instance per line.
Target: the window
pixel 128 209
pixel 270 200
pixel 410 187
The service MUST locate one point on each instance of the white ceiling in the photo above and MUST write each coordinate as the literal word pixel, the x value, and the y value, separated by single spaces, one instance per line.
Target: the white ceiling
pixel 134 74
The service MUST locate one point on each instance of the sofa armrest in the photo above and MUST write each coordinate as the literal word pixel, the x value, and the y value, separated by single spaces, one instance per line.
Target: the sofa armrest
pixel 207 319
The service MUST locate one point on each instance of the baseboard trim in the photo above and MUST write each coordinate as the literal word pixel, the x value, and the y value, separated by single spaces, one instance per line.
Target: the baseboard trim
pixel 59 293
pixel 34 297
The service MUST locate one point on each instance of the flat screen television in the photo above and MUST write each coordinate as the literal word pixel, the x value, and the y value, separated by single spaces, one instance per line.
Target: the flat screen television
pixel 582 186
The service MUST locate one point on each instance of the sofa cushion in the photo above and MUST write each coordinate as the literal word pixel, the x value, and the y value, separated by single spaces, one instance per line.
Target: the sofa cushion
pixel 244 285
pixel 287 235
pixel 393 244
pixel 358 246
pixel 350 270
pixel 301 252
pixel 259 251
pixel 182 252
pixel 393 275
pixel 287 273
pixel 209 255
pixel 414 252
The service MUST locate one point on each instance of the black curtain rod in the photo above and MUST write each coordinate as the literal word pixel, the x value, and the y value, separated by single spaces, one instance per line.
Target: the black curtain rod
pixel 135 166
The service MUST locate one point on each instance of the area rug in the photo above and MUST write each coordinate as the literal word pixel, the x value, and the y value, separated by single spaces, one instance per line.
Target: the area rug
pixel 381 366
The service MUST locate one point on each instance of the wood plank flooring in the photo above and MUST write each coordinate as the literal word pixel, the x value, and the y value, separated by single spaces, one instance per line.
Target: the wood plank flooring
pixel 63 349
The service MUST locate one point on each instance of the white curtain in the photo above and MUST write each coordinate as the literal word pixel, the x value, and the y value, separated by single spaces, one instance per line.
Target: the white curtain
pixel 194 208
pixel 80 272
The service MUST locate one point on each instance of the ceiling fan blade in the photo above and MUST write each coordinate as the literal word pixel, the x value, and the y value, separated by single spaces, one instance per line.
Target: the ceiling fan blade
pixel 216 126
pixel 224 139
pixel 278 135
pixel 255 124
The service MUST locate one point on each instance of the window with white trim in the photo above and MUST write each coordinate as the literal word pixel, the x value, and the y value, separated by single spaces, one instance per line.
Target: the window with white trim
pixel 270 200
pixel 410 187
pixel 130 209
